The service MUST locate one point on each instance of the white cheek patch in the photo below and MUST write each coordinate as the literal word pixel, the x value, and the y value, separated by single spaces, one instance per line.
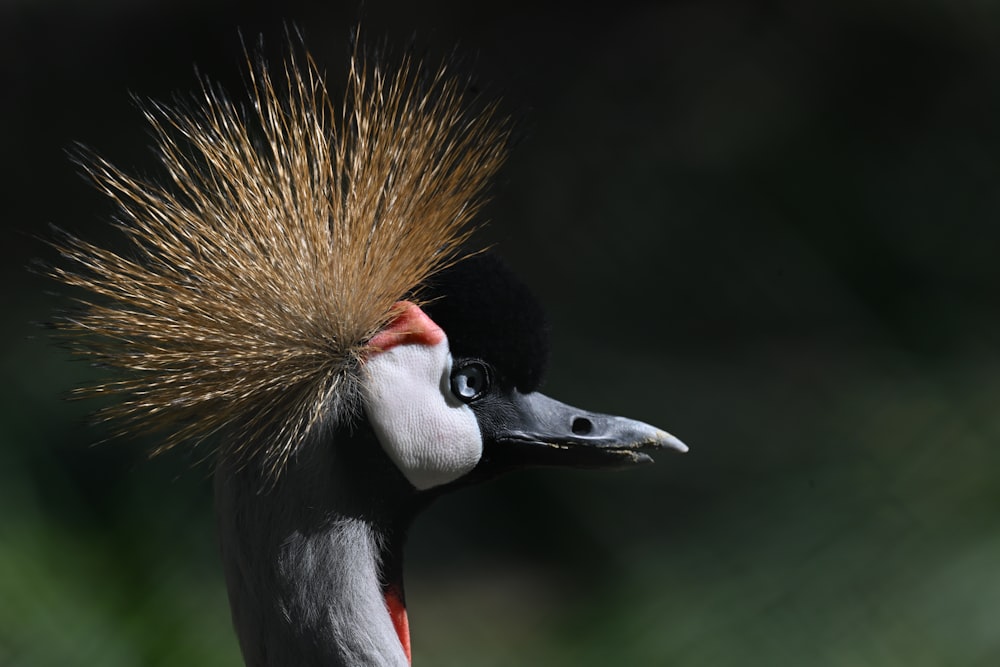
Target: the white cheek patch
pixel 432 437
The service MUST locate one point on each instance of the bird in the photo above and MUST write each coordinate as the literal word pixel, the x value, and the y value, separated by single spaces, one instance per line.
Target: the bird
pixel 300 293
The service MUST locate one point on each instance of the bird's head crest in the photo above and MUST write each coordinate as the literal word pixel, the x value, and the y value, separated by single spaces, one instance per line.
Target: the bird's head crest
pixel 275 248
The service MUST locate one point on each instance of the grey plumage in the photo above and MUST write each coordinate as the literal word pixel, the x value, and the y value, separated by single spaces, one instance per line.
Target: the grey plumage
pixel 303 565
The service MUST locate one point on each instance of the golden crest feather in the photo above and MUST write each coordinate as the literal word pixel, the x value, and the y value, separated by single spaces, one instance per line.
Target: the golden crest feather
pixel 275 249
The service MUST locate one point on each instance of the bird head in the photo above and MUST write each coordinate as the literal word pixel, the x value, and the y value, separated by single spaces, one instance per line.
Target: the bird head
pixel 301 262
pixel 451 389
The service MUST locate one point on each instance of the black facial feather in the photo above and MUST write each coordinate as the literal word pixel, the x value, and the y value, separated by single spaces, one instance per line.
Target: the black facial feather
pixel 488 313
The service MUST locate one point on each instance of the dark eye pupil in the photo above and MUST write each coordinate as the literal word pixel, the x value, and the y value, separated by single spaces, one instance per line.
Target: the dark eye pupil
pixel 468 382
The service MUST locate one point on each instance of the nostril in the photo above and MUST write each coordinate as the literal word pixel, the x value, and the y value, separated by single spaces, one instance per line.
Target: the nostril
pixel 582 426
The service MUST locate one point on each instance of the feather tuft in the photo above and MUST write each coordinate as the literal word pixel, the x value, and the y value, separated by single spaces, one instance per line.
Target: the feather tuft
pixel 276 247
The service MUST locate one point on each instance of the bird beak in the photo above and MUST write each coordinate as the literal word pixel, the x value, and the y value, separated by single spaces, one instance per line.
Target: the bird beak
pixel 542 431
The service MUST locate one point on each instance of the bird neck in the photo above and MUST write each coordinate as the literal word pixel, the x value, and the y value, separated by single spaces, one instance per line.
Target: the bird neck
pixel 314 562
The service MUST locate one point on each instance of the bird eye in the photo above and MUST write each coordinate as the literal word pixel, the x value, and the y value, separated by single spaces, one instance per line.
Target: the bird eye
pixel 470 381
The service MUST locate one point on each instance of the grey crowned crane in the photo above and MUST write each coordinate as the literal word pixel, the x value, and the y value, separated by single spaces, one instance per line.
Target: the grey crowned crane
pixel 299 288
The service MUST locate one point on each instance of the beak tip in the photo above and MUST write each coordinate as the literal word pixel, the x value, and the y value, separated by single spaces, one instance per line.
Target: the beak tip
pixel 665 439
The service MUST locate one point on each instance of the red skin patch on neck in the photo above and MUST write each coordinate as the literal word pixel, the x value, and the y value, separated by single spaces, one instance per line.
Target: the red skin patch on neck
pixel 410 326
pixel 397 612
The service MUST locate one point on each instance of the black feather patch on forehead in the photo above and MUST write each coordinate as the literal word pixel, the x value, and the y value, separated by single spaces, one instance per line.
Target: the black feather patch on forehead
pixel 488 313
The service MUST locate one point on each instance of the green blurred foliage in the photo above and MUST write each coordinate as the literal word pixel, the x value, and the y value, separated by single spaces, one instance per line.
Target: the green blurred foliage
pixel 768 227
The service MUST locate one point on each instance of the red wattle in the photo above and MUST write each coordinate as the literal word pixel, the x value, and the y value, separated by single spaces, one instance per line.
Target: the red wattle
pixel 397 612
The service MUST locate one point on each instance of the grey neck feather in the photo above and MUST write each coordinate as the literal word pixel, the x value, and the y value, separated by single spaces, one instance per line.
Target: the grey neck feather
pixel 303 566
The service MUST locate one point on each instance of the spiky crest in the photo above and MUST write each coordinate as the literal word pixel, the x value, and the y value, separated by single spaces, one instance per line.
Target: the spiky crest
pixel 275 250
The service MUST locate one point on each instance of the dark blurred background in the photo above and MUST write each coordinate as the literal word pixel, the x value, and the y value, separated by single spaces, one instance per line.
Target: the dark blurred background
pixel 771 228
